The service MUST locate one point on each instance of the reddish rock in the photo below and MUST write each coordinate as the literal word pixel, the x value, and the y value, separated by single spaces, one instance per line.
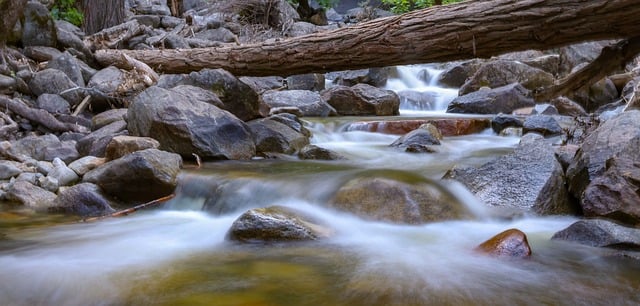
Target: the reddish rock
pixel 510 243
pixel 448 126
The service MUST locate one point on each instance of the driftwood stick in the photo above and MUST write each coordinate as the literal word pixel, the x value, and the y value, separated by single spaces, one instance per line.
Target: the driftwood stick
pixel 39 116
pixel 9 126
pixel 115 36
pixel 128 211
pixel 609 60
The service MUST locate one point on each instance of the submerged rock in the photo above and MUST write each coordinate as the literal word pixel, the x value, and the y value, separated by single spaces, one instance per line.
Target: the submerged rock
pixel 276 224
pixel 383 199
pixel 510 243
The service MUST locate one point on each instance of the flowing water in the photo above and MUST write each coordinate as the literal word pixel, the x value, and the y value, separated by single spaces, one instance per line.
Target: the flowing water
pixel 178 255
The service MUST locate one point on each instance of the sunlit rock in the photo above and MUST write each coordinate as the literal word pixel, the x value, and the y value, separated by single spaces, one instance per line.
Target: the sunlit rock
pixel 276 224
pixel 383 199
pixel 510 243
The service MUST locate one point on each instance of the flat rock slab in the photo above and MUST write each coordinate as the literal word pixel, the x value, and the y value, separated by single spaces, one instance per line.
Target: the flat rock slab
pixel 448 126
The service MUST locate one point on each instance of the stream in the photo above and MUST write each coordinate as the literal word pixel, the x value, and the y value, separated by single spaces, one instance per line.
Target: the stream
pixel 178 255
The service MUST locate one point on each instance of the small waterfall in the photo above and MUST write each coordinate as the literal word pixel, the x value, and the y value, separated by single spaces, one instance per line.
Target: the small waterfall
pixel 419 91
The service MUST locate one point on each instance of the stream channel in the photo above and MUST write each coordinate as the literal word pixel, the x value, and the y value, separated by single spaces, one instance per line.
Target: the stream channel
pixel 178 255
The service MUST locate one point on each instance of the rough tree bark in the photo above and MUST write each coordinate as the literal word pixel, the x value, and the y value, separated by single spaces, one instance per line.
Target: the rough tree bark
pixel 438 34
pixel 102 14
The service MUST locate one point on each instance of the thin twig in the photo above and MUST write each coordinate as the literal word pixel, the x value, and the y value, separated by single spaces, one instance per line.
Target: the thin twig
pixel 128 211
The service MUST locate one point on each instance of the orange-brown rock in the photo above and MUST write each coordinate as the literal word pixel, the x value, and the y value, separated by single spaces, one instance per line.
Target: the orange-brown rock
pixel 510 243
pixel 447 126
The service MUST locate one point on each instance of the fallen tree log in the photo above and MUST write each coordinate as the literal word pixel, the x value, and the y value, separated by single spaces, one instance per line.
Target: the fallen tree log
pixel 438 34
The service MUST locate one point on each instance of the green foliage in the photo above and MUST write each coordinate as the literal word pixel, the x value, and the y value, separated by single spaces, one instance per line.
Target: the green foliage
pixel 403 6
pixel 323 3
pixel 67 10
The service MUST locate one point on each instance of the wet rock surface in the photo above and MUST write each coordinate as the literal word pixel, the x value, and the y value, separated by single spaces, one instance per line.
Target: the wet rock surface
pixel 275 224
pixel 511 243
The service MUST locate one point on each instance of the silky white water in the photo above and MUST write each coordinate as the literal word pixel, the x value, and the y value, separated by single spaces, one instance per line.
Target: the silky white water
pixel 178 255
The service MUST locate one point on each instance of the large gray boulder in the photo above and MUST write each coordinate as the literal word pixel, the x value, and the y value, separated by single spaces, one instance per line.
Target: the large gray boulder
pixel 600 233
pixel 503 72
pixel 30 196
pixel 38 27
pixel 529 179
pixel 70 66
pixel 310 103
pixel 53 81
pixel 187 126
pixel 84 200
pixel 503 99
pixel 614 194
pixel 96 142
pixel 616 137
pixel 46 147
pixel 272 135
pixel 276 224
pixel 362 100
pixel 238 98
pixel 141 176
pixel 383 199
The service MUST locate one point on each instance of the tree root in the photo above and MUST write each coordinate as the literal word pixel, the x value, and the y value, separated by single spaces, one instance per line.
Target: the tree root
pixel 39 116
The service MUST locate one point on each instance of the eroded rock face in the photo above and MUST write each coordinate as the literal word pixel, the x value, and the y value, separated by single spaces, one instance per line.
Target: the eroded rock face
pixel 511 243
pixel 616 137
pixel 141 176
pixel 530 178
pixel 187 126
pixel 600 233
pixel 614 194
pixel 388 200
pixel 276 224
pixel 503 99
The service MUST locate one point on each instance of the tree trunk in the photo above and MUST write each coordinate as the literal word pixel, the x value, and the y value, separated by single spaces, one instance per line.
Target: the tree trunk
pixel 10 12
pixel 438 34
pixel 102 14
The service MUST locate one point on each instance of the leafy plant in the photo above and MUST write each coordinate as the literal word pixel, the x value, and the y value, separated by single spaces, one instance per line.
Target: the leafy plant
pixel 323 3
pixel 403 6
pixel 67 10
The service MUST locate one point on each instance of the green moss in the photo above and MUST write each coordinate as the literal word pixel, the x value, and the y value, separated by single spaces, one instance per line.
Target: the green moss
pixel 67 10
